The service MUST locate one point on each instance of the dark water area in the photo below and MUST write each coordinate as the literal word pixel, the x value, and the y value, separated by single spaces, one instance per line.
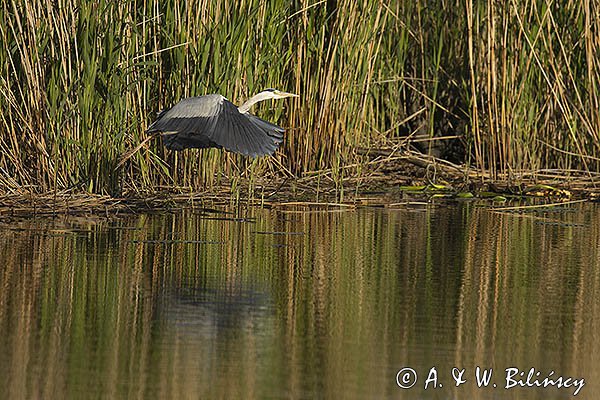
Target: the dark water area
pixel 303 304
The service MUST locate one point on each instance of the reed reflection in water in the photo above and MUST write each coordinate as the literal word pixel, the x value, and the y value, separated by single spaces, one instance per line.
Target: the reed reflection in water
pixel 299 304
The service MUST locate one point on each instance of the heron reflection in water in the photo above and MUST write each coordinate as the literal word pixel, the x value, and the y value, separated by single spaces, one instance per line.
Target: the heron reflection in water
pixel 213 121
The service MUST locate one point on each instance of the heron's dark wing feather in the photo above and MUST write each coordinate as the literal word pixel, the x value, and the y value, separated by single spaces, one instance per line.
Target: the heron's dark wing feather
pixel 273 132
pixel 213 121
pixel 244 133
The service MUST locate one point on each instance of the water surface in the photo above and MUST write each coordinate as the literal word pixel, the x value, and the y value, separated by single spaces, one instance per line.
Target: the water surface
pixel 300 304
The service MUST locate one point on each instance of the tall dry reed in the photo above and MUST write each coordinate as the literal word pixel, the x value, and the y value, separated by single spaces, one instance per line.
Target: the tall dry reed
pixel 80 82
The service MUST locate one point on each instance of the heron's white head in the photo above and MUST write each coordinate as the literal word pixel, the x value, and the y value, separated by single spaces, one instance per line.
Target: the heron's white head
pixel 266 94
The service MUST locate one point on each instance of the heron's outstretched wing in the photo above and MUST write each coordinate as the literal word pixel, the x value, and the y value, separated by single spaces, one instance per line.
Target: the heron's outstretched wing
pixel 213 121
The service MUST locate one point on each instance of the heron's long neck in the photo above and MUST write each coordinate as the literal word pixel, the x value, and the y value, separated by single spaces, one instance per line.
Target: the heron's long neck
pixel 244 108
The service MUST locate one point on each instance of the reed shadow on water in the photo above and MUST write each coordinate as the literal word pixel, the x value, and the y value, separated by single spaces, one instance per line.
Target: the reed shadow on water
pixel 299 303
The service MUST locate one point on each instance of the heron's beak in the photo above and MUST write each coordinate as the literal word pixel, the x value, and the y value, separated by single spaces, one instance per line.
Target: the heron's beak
pixel 283 95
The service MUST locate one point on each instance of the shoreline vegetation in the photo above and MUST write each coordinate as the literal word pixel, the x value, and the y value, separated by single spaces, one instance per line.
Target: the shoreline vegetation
pixel 455 99
pixel 388 182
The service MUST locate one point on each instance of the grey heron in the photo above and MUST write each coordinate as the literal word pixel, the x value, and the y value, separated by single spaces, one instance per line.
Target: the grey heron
pixel 213 121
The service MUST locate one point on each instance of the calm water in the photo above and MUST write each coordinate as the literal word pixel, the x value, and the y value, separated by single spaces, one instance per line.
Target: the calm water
pixel 289 304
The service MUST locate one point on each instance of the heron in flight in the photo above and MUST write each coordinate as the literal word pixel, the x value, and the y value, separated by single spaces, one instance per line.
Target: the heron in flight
pixel 213 121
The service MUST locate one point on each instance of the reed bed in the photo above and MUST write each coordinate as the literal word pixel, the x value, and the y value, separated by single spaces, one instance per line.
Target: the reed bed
pixel 513 85
pixel 383 183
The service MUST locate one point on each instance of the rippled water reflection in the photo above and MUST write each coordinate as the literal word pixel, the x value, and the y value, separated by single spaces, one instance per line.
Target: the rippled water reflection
pixel 291 304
